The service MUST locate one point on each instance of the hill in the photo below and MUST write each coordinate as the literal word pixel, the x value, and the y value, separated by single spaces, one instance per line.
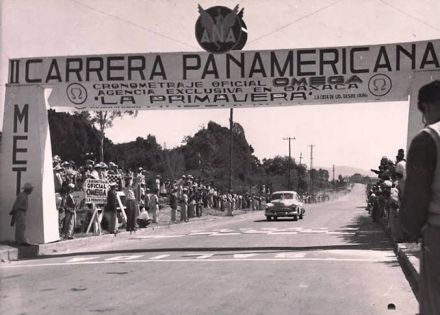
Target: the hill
pixel 347 171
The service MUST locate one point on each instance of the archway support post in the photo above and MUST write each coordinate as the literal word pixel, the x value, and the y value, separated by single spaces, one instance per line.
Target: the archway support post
pixel 26 157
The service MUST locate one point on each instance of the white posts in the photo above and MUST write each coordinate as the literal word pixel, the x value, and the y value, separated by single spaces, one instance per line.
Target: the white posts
pixel 26 156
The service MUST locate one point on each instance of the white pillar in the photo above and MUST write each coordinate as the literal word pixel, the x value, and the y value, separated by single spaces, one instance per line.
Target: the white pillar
pixel 26 156
pixel 415 123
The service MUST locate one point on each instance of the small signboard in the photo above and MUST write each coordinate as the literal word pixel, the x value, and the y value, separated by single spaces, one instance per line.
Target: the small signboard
pixel 95 191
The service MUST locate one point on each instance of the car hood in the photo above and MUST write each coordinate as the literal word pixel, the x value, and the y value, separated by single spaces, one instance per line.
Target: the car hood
pixel 284 203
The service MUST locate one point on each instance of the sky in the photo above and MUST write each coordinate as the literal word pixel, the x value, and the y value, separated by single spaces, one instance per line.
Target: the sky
pixel 355 135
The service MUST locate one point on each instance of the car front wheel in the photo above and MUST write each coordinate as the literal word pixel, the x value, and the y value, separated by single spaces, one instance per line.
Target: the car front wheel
pixel 268 218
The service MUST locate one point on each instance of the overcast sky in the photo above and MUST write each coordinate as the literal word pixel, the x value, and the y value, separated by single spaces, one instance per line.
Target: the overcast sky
pixel 351 134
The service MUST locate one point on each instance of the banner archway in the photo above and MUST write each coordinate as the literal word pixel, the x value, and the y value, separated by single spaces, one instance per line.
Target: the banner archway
pixel 332 75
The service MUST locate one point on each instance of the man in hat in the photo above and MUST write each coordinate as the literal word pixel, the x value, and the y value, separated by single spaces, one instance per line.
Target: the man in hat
pixel 130 203
pixel 56 160
pixel 140 175
pixel 143 219
pixel 146 198
pixel 400 169
pixel 58 178
pixel 69 206
pixel 87 171
pixel 111 208
pixel 102 171
pixel 191 202
pixel 95 174
pixel 90 163
pixel 154 206
pixel 69 175
pixel 112 168
pixel 18 213
pixel 184 205
pixel 157 184
pixel 400 155
pixel 189 180
pixel 180 183
pixel 229 203
pixel 421 199
pixel 210 196
pixel 173 204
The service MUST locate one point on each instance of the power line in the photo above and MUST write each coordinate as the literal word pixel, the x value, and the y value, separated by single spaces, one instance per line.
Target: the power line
pixel 410 15
pixel 294 21
pixel 131 23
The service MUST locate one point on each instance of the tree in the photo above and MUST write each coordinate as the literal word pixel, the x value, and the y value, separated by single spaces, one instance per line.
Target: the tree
pixel 322 179
pixel 207 154
pixel 341 182
pixel 72 136
pixel 204 154
pixel 276 171
pixel 356 178
pixel 103 120
pixel 146 153
pixel 175 163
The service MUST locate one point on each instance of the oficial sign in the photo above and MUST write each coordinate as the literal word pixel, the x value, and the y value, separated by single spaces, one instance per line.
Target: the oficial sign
pixel 95 191
pixel 233 79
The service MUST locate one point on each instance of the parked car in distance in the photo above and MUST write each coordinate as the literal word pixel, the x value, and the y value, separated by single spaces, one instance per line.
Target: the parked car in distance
pixel 284 204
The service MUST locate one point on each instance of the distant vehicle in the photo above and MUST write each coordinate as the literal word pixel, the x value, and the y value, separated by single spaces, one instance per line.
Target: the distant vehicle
pixel 284 204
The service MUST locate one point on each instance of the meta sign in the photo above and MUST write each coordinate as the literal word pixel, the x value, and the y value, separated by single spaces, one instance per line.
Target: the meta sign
pixel 233 79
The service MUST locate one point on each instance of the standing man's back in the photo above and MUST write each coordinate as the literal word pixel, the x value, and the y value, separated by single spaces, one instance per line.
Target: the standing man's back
pixel 421 200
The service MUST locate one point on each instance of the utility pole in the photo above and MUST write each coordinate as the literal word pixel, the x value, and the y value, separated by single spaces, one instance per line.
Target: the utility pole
pixel 290 157
pixel 311 167
pixel 333 175
pixel 300 174
pixel 231 124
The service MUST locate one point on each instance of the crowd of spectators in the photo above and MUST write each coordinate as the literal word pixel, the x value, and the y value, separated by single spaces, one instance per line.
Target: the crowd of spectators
pixel 384 197
pixel 143 196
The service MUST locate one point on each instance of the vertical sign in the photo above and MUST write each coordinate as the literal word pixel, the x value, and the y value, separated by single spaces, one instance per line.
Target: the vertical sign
pixel 26 156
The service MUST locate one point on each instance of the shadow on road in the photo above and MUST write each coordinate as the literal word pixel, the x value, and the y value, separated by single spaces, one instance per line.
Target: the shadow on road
pixel 367 233
pixel 244 250
pixel 277 220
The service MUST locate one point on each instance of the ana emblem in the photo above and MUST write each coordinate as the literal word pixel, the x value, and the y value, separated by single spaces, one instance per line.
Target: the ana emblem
pixel 220 29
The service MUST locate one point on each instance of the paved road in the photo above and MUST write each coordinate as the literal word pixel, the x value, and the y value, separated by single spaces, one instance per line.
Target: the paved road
pixel 335 261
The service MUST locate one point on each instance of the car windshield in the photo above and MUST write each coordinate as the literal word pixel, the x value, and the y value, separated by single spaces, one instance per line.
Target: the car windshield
pixel 282 196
